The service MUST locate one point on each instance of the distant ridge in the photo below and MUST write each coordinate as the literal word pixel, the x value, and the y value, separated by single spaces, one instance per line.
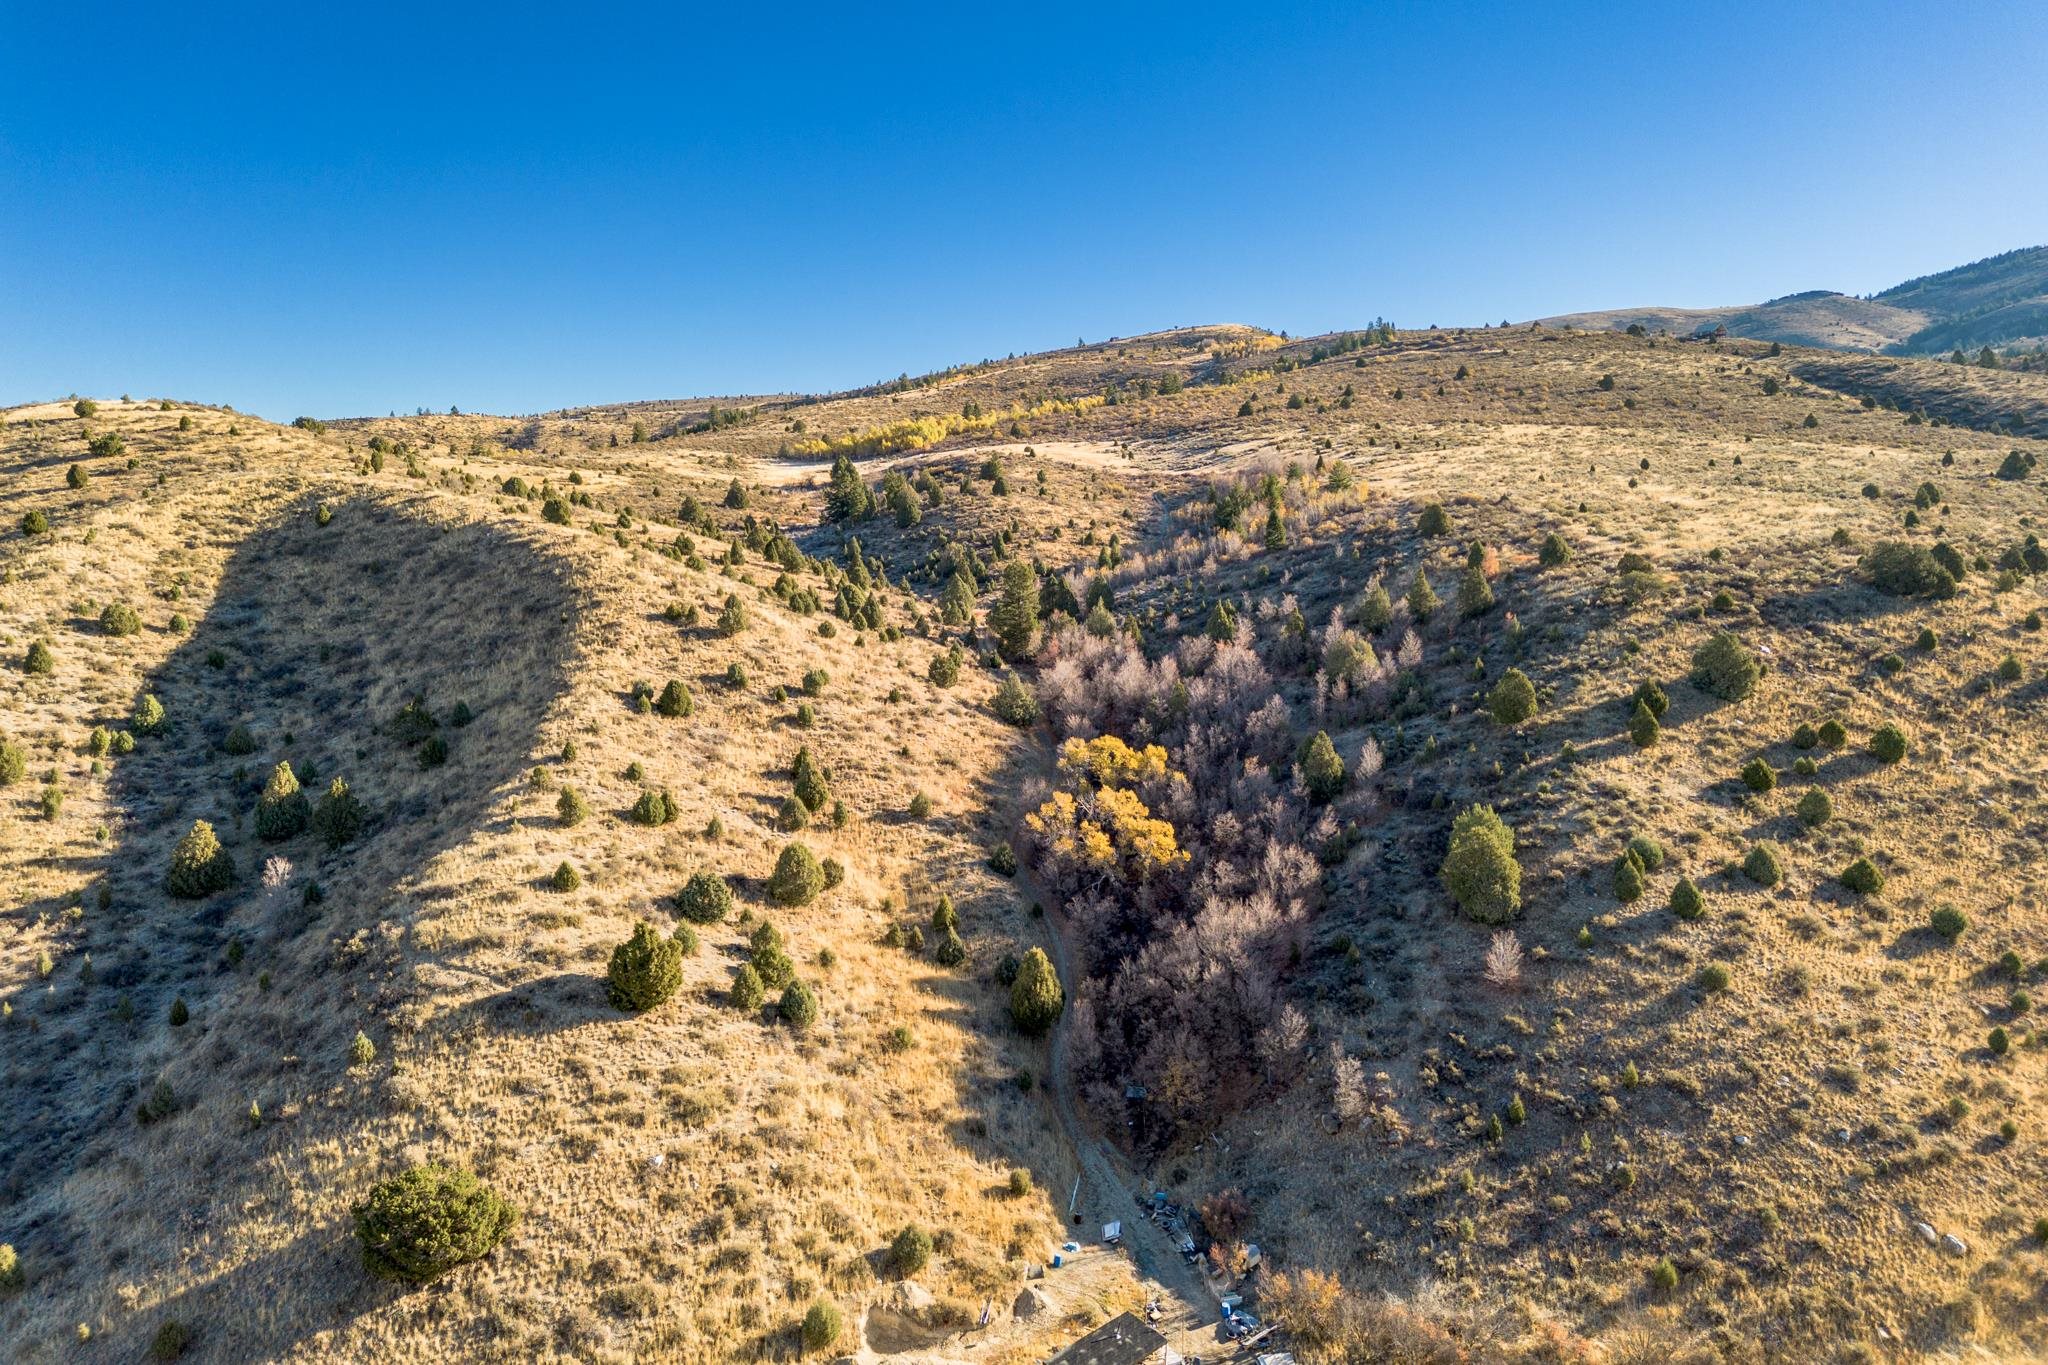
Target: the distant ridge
pixel 2000 301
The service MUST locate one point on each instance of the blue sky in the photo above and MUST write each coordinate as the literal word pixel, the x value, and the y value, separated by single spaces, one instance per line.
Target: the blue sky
pixel 350 209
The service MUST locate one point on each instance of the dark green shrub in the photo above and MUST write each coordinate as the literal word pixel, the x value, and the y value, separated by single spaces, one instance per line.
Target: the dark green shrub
pixel 339 817
pixel 772 963
pixel 40 661
pixel 792 815
pixel 808 779
pixel 732 618
pixel 1762 865
pixel 2009 669
pixel 1322 771
pixel 34 523
pixel 149 717
pixel 815 681
pixel 1815 808
pixel 1480 870
pixel 798 1006
pixel 1901 569
pixel 1949 922
pixel 172 1340
pixel 1036 997
pixel 199 865
pixel 1713 978
pixel 570 807
pixel 1863 878
pixel 1805 737
pixel 1013 702
pixel 1832 735
pixel 1726 667
pixel 655 808
pixel 428 1221
pixel 1628 881
pixel 797 878
pixel 911 1250
pixel 13 762
pixel 1686 901
pixel 1555 552
pixel 433 752
pixel 1002 859
pixel 675 701
pixel 1434 521
pixel 747 992
pixel 704 899
pixel 1652 697
pixel 1422 598
pixel 1664 1276
pixel 1759 776
pixel 1513 699
pixel 1888 744
pixel 2000 1042
pixel 945 668
pixel 283 810
pixel 645 970
pixel 565 877
pixel 118 618
pixel 1643 729
pixel 1475 594
pixel 1647 852
pixel 822 1326
pixel 736 677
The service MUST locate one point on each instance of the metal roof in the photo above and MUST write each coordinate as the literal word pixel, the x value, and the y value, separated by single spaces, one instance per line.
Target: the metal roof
pixel 1123 1340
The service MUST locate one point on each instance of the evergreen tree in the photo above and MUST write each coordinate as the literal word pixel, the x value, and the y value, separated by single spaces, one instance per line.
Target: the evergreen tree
pixel 848 498
pixel 1480 870
pixel 645 970
pixel 199 865
pixel 283 810
pixel 956 600
pixel 1475 594
pixel 1321 768
pixel 1014 618
pixel 1036 997
pixel 797 878
pixel 1422 598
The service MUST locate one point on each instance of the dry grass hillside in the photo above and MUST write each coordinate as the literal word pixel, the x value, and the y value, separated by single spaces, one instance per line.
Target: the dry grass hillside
pixel 1612 1125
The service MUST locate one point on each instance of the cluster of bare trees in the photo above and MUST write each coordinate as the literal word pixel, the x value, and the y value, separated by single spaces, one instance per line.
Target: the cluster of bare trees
pixel 1186 967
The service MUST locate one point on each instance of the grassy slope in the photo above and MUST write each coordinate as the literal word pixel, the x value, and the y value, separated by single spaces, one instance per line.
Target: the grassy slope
pixel 787 1160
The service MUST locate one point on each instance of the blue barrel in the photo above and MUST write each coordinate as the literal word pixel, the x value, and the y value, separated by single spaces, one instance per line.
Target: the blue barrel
pixel 1057 1262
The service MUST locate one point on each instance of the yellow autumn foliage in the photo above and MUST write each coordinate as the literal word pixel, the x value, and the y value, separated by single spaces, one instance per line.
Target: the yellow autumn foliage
pixel 922 433
pixel 1107 760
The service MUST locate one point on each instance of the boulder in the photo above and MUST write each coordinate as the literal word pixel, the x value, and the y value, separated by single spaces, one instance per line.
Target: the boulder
pixel 1031 1303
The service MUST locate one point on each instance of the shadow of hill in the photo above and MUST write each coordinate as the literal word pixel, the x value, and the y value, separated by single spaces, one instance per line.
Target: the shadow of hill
pixel 315 638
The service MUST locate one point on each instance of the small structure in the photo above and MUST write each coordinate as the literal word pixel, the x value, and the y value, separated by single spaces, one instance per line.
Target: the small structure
pixel 1123 1340
pixel 1709 331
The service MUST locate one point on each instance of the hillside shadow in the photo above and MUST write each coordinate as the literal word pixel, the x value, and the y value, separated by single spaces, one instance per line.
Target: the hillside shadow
pixel 314 639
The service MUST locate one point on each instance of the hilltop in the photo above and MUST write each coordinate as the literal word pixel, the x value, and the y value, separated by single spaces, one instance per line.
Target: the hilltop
pixel 1185 660
pixel 2000 302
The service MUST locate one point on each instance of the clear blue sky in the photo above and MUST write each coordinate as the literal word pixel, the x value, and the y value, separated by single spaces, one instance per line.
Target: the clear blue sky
pixel 341 209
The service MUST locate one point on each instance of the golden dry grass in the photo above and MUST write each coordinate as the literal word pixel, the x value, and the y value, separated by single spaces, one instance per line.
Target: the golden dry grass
pixel 786 1162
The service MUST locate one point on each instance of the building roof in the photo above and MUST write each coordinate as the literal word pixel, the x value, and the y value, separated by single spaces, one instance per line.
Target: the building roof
pixel 1123 1340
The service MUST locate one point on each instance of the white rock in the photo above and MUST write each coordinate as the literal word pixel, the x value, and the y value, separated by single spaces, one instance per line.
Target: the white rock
pixel 1954 1245
pixel 1927 1233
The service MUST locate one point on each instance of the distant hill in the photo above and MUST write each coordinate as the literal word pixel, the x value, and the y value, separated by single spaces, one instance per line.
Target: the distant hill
pixel 1999 301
